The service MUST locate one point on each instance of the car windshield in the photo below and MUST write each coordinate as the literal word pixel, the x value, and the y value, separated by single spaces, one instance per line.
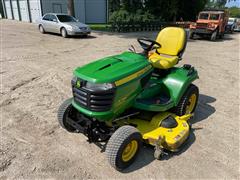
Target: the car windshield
pixel 203 16
pixel 214 16
pixel 230 20
pixel 66 18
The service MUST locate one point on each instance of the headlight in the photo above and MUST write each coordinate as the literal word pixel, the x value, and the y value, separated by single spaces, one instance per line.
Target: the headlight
pixel 104 86
pixel 211 25
pixel 74 80
pixel 70 28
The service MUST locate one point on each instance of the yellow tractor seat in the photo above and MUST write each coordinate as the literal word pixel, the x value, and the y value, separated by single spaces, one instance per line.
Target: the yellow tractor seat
pixel 173 42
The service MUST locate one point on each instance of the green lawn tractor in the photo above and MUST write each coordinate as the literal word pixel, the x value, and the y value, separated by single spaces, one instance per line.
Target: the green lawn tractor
pixel 134 98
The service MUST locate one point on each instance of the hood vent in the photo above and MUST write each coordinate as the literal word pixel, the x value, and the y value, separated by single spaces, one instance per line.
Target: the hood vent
pixel 108 65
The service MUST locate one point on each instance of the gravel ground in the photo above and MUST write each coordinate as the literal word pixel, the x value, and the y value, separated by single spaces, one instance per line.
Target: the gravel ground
pixel 36 70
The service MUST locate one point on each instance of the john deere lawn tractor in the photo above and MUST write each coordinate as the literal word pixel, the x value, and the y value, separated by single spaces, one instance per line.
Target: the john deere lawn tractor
pixel 133 98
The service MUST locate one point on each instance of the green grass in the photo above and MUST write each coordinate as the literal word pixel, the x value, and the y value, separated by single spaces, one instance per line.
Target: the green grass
pixel 100 27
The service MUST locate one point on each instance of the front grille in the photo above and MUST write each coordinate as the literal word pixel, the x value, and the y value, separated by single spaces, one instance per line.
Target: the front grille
pixel 100 100
pixel 202 25
pixel 83 28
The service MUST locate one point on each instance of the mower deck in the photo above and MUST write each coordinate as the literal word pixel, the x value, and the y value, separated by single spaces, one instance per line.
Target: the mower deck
pixel 172 135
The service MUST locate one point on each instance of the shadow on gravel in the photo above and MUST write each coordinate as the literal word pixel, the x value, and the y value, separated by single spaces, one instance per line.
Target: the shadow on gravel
pixel 146 154
pixel 227 37
pixel 204 109
pixel 144 158
pixel 73 37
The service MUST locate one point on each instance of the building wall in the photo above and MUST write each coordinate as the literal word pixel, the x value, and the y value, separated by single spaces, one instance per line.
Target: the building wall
pixel 79 8
pixel 1 9
pixel 87 11
pixel 96 11
pixel 54 6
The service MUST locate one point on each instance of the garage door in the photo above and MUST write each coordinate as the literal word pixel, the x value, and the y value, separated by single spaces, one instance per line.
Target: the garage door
pixel 8 9
pixel 35 9
pixel 24 10
pixel 96 11
pixel 15 9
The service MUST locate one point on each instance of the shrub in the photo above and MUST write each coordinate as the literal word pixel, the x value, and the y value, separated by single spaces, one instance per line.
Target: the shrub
pixel 123 16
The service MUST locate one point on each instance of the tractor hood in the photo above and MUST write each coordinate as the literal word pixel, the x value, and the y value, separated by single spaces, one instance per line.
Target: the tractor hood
pixel 113 68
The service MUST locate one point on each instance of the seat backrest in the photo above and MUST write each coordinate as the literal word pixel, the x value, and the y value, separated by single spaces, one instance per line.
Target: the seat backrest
pixel 173 41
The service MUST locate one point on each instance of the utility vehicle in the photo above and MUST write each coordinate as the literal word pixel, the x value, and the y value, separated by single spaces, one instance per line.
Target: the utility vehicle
pixel 210 23
pixel 131 98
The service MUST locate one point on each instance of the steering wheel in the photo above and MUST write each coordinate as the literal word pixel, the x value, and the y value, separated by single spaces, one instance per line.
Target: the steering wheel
pixel 148 44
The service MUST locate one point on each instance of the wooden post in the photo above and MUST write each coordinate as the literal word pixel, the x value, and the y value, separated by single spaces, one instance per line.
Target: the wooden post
pixel 70 8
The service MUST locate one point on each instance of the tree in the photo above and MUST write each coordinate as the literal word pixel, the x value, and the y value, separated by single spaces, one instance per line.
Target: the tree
pixel 70 7
pixel 216 3
pixel 234 12
pixel 162 10
pixel 113 5
pixel 189 9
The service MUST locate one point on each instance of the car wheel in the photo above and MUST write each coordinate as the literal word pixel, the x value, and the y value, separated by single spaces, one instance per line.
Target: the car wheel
pixel 41 29
pixel 214 36
pixel 191 36
pixel 64 33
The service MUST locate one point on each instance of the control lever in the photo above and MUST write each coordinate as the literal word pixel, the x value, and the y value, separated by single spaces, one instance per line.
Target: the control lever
pixel 132 49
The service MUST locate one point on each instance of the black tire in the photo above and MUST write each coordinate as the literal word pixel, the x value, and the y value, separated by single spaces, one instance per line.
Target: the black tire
pixel 191 36
pixel 63 111
pixel 180 109
pixel 64 33
pixel 41 29
pixel 118 142
pixel 213 36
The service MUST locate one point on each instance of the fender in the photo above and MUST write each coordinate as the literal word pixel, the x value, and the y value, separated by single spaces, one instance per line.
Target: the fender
pixel 178 80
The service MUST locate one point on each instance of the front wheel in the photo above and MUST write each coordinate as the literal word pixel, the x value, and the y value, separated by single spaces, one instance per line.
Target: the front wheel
pixel 41 29
pixel 64 111
pixel 188 101
pixel 214 36
pixel 64 33
pixel 123 146
pixel 191 35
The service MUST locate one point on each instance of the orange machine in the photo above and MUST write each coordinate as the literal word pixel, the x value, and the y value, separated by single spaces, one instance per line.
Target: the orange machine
pixel 210 23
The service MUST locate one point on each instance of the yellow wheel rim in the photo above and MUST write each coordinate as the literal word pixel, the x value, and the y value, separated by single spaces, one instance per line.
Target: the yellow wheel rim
pixel 191 103
pixel 130 150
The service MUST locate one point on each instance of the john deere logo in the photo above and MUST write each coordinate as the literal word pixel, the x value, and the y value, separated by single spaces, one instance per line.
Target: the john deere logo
pixel 78 84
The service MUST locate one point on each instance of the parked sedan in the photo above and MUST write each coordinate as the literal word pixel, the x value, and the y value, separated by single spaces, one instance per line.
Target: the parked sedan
pixel 62 24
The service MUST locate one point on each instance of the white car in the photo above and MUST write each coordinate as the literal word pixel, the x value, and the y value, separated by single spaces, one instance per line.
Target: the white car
pixel 62 24
pixel 237 27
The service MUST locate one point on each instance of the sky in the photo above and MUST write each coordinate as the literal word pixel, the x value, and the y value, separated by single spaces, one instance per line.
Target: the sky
pixel 231 3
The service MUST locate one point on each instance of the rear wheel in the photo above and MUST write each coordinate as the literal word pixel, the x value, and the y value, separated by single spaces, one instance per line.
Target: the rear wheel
pixel 64 33
pixel 123 147
pixel 64 111
pixel 41 29
pixel 188 102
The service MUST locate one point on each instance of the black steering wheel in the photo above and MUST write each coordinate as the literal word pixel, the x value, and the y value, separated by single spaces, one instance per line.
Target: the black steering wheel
pixel 148 44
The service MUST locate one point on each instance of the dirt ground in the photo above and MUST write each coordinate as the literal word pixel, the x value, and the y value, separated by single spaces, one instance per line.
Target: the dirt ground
pixel 36 70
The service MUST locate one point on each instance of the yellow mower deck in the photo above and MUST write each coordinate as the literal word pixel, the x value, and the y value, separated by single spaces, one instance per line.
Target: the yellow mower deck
pixel 167 138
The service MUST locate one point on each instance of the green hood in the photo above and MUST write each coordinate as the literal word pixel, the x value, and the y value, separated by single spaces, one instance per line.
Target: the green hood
pixel 113 68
